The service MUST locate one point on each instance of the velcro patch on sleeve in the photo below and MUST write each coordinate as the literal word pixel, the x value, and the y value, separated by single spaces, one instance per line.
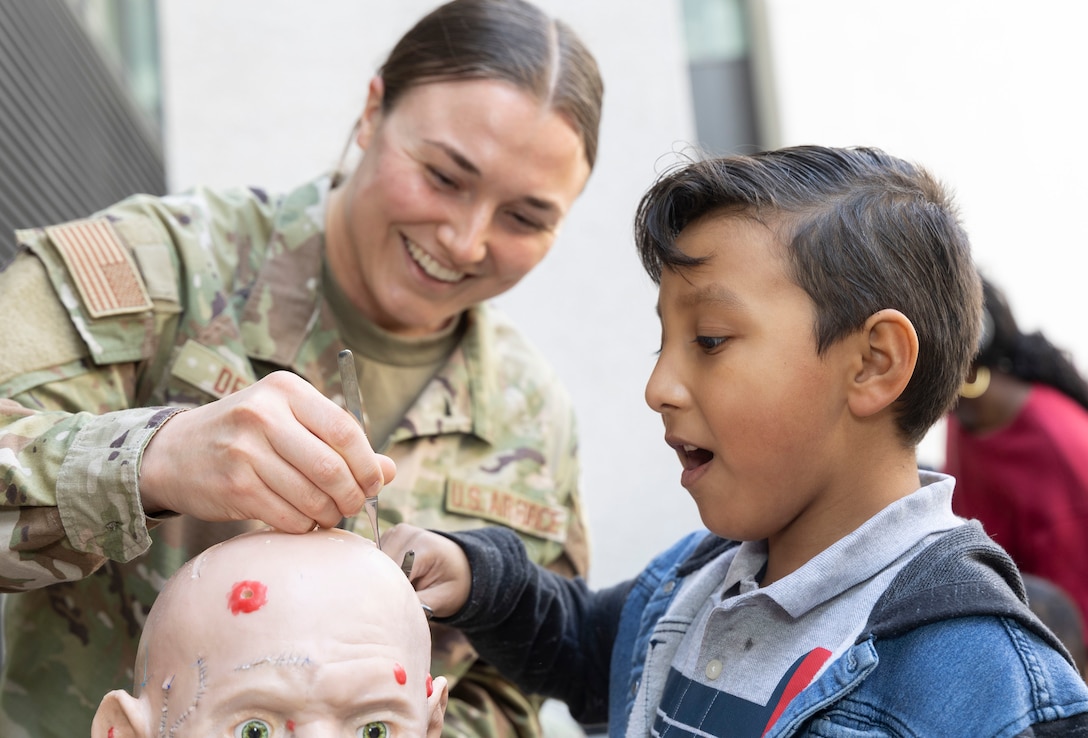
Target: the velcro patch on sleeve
pixel 103 271
pixel 507 508
pixel 202 367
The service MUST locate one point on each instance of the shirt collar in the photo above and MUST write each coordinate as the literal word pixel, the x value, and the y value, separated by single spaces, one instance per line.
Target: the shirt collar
pixel 876 544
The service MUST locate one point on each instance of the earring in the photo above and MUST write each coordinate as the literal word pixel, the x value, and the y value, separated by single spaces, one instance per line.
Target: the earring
pixel 977 388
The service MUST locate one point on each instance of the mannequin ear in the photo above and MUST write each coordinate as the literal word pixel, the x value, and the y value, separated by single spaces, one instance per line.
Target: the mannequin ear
pixel 372 113
pixel 436 706
pixel 120 715
pixel 889 352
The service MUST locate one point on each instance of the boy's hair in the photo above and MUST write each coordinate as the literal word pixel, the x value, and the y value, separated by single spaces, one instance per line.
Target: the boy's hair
pixel 865 231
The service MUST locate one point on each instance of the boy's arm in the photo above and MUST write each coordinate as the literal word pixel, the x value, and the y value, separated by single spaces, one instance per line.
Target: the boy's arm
pixel 551 635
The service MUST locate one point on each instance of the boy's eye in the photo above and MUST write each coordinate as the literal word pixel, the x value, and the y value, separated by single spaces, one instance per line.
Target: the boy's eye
pixel 253 728
pixel 709 343
pixel 374 730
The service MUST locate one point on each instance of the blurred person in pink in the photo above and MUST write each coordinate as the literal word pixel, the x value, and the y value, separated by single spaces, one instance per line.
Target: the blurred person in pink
pixel 1017 445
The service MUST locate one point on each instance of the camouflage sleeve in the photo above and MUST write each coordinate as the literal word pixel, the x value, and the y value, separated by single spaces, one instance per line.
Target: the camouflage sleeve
pixel 71 498
pixel 69 477
pixel 89 315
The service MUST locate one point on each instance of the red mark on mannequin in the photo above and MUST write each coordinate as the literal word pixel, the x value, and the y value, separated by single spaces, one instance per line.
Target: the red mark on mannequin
pixel 247 596
pixel 291 725
pixel 400 674
pixel 112 732
pixel 430 685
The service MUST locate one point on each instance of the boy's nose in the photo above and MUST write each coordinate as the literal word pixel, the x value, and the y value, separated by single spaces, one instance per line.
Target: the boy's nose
pixel 664 390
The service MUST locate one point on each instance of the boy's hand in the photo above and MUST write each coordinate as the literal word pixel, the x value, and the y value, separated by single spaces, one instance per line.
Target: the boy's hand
pixel 440 572
pixel 277 451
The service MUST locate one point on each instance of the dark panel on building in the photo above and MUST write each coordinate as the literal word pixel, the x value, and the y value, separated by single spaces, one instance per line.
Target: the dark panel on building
pixel 71 139
pixel 725 120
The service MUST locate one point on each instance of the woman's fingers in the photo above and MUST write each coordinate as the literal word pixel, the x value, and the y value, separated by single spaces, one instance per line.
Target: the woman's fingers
pixel 278 451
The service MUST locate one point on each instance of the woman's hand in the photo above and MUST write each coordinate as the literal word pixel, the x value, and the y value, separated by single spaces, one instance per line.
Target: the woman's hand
pixel 277 451
pixel 440 572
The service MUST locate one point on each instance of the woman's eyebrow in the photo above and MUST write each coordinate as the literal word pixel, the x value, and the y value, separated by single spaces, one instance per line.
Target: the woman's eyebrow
pixel 458 158
pixel 463 163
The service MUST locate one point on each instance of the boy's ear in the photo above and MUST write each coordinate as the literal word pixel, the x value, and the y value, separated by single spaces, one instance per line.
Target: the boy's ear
pixel 436 705
pixel 889 351
pixel 120 715
pixel 368 121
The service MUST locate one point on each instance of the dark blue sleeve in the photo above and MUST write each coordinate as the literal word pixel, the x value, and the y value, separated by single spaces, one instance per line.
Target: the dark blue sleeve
pixel 550 635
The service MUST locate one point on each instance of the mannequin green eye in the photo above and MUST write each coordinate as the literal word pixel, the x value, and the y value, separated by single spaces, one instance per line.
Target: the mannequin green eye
pixel 253 728
pixel 374 730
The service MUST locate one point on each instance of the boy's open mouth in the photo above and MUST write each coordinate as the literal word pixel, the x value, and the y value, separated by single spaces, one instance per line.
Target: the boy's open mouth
pixel 693 457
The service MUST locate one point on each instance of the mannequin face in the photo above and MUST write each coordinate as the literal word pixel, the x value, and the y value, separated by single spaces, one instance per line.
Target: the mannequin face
pixel 273 635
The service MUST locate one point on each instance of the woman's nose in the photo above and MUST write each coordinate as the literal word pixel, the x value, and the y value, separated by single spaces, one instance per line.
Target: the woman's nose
pixel 464 236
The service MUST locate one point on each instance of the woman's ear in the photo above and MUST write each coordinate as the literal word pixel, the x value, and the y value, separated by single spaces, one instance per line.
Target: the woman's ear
pixel 120 715
pixel 372 113
pixel 889 353
pixel 436 705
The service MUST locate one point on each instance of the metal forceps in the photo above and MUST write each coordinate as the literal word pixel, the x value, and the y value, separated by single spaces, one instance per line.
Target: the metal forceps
pixel 406 567
pixel 353 398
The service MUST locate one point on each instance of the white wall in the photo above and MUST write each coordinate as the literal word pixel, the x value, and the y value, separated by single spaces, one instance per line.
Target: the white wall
pixel 264 92
pixel 990 96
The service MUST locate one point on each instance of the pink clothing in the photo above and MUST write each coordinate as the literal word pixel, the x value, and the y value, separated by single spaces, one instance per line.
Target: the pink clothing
pixel 1028 485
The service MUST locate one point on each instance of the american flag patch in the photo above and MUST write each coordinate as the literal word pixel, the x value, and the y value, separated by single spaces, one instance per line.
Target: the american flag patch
pixel 103 270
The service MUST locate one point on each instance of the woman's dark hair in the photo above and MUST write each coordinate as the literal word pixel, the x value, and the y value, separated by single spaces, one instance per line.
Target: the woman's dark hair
pixel 510 40
pixel 1027 356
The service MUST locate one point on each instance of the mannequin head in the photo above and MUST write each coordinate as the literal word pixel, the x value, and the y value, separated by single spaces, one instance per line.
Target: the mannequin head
pixel 274 635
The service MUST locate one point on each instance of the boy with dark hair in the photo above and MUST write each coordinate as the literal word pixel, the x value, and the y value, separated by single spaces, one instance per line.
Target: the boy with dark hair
pixel 819 310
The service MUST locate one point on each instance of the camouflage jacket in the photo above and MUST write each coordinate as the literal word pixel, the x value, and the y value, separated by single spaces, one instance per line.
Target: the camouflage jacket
pixel 111 324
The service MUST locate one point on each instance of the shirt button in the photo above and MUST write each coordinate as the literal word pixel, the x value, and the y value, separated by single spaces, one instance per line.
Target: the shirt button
pixel 634 688
pixel 669 586
pixel 713 669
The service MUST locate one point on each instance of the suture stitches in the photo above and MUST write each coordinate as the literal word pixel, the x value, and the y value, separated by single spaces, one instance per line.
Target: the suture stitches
pixel 201 684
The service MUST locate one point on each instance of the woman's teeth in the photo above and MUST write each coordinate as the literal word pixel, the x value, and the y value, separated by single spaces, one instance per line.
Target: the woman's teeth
pixel 432 267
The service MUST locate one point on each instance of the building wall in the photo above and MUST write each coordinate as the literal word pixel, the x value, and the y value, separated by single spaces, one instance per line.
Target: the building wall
pixel 71 139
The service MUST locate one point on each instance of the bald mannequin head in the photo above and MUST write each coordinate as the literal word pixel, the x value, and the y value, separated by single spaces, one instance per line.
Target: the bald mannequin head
pixel 271 634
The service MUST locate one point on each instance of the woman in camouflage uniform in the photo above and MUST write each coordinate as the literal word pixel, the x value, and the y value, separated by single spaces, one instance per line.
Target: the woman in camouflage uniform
pixel 173 360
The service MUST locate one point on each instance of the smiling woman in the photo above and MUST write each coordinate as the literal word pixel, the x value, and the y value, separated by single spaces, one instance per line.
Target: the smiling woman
pixel 192 365
pixel 486 174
